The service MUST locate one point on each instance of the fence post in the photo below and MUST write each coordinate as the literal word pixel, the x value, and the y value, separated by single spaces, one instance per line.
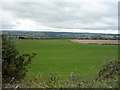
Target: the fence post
pixel 72 76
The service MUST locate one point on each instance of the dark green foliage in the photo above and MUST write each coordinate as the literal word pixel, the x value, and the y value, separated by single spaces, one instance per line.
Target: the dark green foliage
pixel 14 64
pixel 110 69
pixel 52 80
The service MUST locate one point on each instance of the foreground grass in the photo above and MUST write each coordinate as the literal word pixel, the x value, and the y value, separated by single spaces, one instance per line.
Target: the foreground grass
pixel 63 57
pixel 107 77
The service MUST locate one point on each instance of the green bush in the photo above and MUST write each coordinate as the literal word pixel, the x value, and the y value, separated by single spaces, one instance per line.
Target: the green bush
pixel 109 70
pixel 14 64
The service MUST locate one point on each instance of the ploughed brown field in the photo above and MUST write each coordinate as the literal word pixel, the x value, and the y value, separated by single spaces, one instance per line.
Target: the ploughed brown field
pixel 114 42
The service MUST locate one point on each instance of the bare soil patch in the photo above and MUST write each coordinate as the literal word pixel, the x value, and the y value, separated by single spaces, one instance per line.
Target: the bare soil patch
pixel 111 42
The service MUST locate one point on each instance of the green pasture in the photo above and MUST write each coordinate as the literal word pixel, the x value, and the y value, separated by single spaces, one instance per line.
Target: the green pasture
pixel 63 57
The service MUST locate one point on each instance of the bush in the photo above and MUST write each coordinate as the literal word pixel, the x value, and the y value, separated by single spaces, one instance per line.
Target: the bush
pixel 14 64
pixel 109 70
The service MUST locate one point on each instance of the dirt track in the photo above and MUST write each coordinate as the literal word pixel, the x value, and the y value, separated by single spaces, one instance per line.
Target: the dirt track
pixel 114 42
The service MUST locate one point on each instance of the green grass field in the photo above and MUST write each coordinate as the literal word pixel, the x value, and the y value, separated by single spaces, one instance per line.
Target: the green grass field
pixel 64 56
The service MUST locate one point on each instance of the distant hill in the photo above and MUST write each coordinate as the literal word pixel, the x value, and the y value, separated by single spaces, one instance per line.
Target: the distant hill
pixel 59 35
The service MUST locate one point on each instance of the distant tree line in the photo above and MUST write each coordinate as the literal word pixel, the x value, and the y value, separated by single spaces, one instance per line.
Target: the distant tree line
pixel 82 38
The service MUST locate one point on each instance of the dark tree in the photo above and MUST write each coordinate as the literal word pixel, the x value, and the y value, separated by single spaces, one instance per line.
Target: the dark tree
pixel 14 64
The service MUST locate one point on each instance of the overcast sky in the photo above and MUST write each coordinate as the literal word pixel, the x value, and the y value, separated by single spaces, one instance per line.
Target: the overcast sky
pixel 94 17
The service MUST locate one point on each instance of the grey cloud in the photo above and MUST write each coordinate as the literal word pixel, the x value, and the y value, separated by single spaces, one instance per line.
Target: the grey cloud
pixel 7 26
pixel 66 15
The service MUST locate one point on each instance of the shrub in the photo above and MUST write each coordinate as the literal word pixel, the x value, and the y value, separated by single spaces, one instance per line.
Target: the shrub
pixel 14 64
pixel 109 70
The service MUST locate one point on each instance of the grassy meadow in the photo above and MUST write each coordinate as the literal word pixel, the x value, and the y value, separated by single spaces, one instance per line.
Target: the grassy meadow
pixel 63 57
